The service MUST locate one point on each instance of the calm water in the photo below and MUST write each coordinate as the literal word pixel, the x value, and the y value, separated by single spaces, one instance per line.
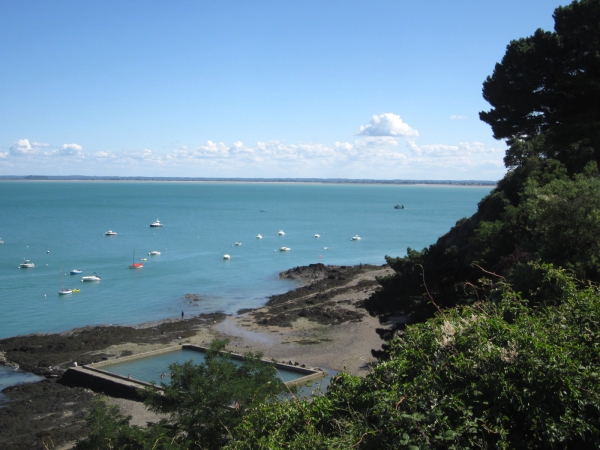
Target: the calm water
pixel 62 225
pixel 149 369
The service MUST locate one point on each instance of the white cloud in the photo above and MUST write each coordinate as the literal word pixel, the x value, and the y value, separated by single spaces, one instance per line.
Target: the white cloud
pixel 387 124
pixel 70 149
pixel 458 117
pixel 22 148
pixel 375 153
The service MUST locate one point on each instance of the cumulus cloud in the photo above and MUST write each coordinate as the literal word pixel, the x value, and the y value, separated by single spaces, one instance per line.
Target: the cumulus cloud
pixel 386 148
pixel 22 148
pixel 70 149
pixel 387 124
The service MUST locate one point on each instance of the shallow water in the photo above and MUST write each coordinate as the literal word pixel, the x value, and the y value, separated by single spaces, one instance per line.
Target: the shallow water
pixel 151 368
pixel 60 226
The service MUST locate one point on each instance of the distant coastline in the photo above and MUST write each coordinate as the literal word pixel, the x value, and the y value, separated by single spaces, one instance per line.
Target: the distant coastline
pixel 245 180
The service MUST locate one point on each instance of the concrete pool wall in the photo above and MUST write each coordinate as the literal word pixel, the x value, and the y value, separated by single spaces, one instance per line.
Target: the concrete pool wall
pixel 93 376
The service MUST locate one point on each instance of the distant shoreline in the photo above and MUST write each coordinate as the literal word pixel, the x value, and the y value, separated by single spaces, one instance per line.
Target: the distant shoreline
pixel 248 180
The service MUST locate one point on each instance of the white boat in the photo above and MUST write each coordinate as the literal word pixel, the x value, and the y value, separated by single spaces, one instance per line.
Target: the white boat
pixel 1 241
pixel 156 224
pixel 238 244
pixel 92 277
pixel 226 257
pixel 110 233
pixel 356 237
pixel 75 272
pixel 259 236
pixel 63 290
pixel 154 252
pixel 317 235
pixel 284 249
pixel 26 264
pixel 280 233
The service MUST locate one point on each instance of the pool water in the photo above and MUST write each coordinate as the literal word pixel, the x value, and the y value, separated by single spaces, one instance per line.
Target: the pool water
pixel 151 368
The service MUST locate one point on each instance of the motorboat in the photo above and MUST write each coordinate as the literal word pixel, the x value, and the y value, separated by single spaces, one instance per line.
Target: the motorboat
pixel 26 264
pixel 317 236
pixel 399 207
pixel 75 272
pixel 110 233
pixel 92 277
pixel 238 244
pixel 226 257
pixel 356 237
pixel 156 224
pixel 259 236
pixel 1 241
pixel 280 233
pixel 284 249
pixel 154 252
pixel 133 264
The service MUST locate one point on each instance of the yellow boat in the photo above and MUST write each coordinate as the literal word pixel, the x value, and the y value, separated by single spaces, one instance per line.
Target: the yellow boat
pixel 75 291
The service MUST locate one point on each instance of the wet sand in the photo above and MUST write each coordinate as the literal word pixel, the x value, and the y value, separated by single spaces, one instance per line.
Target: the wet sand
pixel 320 324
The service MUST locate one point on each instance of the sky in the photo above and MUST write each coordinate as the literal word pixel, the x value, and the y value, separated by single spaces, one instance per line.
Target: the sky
pixel 380 89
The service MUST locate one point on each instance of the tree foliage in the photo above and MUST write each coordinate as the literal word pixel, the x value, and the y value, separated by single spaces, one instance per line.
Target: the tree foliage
pixel 202 403
pixel 545 94
pixel 496 374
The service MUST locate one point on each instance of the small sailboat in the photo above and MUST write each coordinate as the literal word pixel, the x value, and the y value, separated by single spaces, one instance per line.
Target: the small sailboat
pixel 135 265
pixel 63 290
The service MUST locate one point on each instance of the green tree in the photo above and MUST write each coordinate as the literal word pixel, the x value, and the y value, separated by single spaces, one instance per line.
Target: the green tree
pixel 203 403
pixel 496 374
pixel 547 85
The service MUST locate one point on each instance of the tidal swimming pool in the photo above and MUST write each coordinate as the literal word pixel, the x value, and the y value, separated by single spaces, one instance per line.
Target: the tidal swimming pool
pixel 150 368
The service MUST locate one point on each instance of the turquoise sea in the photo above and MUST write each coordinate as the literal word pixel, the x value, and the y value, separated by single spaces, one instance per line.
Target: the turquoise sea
pixel 60 226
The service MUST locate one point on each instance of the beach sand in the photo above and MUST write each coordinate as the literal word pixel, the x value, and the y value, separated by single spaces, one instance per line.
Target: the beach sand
pixel 321 324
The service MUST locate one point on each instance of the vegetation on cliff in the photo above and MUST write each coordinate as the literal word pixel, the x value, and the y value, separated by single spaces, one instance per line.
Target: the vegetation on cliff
pixel 503 350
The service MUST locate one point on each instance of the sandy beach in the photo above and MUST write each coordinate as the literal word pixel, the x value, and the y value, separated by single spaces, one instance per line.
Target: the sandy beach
pixel 320 324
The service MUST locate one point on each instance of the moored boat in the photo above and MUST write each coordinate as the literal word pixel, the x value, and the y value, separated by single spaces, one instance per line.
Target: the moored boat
pixel 26 264
pixel 110 233
pixel 226 257
pixel 133 264
pixel 156 224
pixel 284 249
pixel 356 237
pixel 280 233
pixel 75 272
pixel 259 236
pixel 154 252
pixel 92 277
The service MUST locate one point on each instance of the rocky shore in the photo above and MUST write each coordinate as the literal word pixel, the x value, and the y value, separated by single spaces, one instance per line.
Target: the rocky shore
pixel 321 323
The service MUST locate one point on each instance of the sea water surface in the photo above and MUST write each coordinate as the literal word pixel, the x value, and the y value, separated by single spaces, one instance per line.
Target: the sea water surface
pixel 60 226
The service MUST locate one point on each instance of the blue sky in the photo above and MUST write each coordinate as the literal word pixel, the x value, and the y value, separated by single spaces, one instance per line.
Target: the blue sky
pixel 261 88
